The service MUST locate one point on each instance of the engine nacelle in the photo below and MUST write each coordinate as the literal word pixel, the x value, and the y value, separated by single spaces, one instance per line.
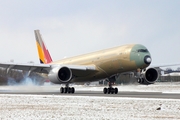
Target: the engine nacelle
pixel 148 76
pixel 60 75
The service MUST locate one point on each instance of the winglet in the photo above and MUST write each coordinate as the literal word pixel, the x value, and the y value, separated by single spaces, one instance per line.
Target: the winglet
pixel 43 52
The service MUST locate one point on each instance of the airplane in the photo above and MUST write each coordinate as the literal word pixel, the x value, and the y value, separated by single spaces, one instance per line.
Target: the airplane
pixel 95 66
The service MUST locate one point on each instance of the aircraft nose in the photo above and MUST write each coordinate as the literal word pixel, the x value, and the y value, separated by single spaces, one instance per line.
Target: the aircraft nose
pixel 147 59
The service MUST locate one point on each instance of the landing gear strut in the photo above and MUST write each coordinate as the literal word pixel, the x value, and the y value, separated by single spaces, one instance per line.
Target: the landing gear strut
pixel 67 89
pixel 139 77
pixel 110 89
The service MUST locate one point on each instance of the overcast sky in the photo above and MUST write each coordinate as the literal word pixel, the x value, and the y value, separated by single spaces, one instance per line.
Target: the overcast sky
pixel 74 27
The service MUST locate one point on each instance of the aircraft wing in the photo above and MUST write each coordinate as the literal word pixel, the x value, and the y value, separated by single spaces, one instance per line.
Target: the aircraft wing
pixel 40 68
pixel 163 65
pixel 44 68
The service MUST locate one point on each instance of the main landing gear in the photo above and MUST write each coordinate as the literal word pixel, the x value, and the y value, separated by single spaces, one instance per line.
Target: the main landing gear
pixel 67 89
pixel 110 89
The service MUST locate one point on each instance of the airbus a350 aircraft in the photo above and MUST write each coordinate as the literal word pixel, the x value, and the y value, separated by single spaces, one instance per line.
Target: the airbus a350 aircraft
pixel 104 64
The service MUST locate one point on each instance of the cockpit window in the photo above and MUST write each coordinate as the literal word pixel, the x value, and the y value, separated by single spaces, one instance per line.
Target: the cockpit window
pixel 142 50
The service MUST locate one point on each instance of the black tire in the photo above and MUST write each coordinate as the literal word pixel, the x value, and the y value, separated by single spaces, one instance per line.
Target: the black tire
pixel 69 90
pixel 65 90
pixel 116 90
pixel 109 90
pixel 61 90
pixel 72 90
pixel 112 90
pixel 105 90
pixel 140 80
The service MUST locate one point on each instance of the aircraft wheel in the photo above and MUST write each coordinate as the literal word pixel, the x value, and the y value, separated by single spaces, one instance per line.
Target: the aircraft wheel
pixel 116 90
pixel 140 80
pixel 61 90
pixel 112 90
pixel 105 90
pixel 109 90
pixel 65 89
pixel 72 90
pixel 69 90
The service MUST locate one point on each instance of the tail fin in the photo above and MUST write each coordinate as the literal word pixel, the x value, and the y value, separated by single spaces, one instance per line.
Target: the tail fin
pixel 43 52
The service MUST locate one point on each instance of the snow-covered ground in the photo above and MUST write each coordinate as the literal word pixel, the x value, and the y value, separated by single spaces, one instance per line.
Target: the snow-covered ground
pixel 88 107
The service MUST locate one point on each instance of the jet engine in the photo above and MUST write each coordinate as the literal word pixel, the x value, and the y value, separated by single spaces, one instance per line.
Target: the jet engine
pixel 60 75
pixel 148 76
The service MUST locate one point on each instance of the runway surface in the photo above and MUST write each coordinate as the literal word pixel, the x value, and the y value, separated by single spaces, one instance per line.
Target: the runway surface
pixel 52 91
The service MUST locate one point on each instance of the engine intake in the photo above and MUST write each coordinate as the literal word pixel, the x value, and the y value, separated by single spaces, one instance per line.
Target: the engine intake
pixel 60 75
pixel 64 74
pixel 148 76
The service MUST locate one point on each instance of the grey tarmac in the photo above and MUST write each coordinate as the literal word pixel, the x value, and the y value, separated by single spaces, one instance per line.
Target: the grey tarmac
pixel 99 94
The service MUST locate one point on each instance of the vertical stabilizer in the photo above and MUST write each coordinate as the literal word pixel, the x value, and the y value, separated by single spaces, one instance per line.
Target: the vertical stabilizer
pixel 43 52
